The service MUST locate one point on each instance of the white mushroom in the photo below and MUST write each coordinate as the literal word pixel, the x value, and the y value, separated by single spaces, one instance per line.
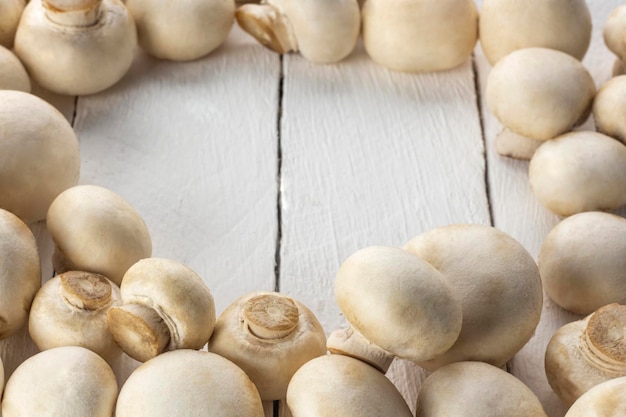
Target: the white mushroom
pixel 186 383
pixel 96 230
pixel 509 25
pixel 583 262
pixel 605 400
pixel 39 155
pixel 420 35
pixel 337 385
pixel 614 33
pixel 585 353
pixel 539 93
pixel 10 13
pixel 270 336
pixel 498 284
pixel 20 273
pixel 70 310
pixel 609 106
pixel 95 38
pixel 579 171
pixel 13 75
pixel 61 382
pixel 166 306
pixel 323 31
pixel 182 30
pixel 472 389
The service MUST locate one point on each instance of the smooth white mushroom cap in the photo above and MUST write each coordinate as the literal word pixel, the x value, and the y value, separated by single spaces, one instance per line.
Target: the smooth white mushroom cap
pixel 39 155
pixel 605 400
pixel 10 13
pixel 337 385
pixel 509 25
pixel 186 383
pixel 472 389
pixel 398 302
pixel 181 30
pixel 498 284
pixel 583 262
pixel 579 171
pixel 614 32
pixel 420 35
pixel 609 107
pixel 13 75
pixel 66 381
pixel 539 93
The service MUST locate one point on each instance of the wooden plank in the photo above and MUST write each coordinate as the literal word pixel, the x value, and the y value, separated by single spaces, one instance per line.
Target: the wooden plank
pixel 371 157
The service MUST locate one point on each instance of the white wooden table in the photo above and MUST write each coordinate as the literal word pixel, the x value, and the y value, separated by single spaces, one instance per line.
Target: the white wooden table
pixel 263 172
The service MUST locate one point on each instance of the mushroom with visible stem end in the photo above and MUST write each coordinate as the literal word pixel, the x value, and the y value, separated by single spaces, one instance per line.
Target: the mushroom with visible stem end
pixel 577 172
pixel 13 75
pixel 514 145
pixel 70 310
pixel 64 381
pixel 96 230
pixel 185 383
pixel 10 13
pixel 337 385
pixel 498 284
pixel 96 38
pixel 585 353
pixel 609 106
pixel 270 336
pixel 323 31
pixel 420 35
pixel 614 34
pixel 607 399
pixel 166 306
pixel 39 155
pixel 181 30
pixel 508 25
pixel 399 303
pixel 530 91
pixel 582 261
pixel 471 389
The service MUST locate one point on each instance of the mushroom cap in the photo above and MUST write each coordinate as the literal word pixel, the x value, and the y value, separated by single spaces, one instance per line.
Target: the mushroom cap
pixel 185 383
pixel 475 389
pixel 96 230
pixel 13 75
pixel 583 262
pixel 70 310
pixel 10 13
pixel 539 93
pixel 607 399
pixel 65 381
pixel 579 171
pixel 420 35
pixel 398 302
pixel 181 30
pixel 337 385
pixel 609 106
pixel 509 25
pixel 94 57
pixel 20 272
pixel 39 155
pixel 269 362
pixel 498 284
pixel 614 32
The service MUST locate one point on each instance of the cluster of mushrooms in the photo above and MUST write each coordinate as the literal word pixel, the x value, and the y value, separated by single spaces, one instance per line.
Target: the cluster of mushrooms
pixel 426 302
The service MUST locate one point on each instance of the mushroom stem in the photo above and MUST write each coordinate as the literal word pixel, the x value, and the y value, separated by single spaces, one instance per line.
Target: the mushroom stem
pixel 81 15
pixel 85 290
pixel 514 145
pixel 139 331
pixel 349 342
pixel 603 342
pixel 270 316
pixel 268 25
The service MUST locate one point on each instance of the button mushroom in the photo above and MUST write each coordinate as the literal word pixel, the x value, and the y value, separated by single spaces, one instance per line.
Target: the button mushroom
pixel 39 155
pixel 579 171
pixel 13 75
pixel 96 230
pixel 182 30
pixel 337 385
pixel 70 310
pixel 531 92
pixel 400 305
pixel 10 13
pixel 498 284
pixel 64 381
pixel 583 262
pixel 607 399
pixel 471 389
pixel 269 336
pixel 609 105
pixel 323 31
pixel 509 25
pixel 185 383
pixel 587 352
pixel 95 38
pixel 166 306
pixel 420 35
pixel 614 33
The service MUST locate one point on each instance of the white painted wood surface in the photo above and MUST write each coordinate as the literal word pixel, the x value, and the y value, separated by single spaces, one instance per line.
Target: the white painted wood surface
pixel 261 173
